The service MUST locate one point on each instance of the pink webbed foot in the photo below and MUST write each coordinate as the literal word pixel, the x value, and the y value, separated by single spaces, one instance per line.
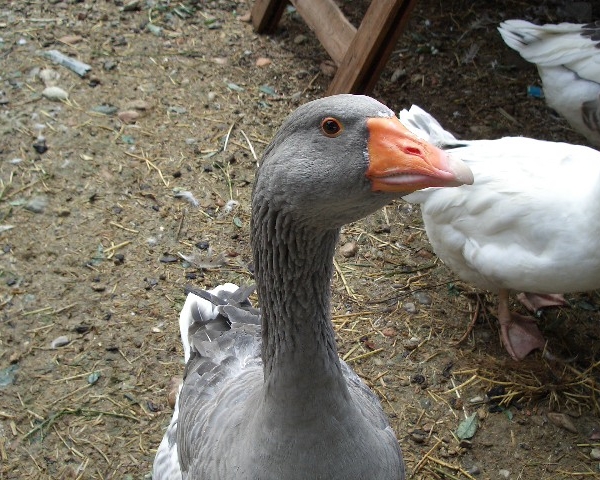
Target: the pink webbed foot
pixel 520 334
pixel 536 301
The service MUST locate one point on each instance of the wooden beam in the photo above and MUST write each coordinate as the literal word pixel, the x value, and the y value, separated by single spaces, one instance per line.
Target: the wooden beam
pixel 371 47
pixel 331 27
pixel 266 14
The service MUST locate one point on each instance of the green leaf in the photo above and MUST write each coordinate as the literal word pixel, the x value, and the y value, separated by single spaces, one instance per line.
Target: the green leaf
pixel 235 87
pixel 453 291
pixel 268 90
pixel 99 257
pixel 467 427
pixel 93 377
pixel 237 222
pixel 586 306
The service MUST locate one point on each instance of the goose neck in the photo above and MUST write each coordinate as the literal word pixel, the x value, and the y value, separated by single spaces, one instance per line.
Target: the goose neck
pixel 293 265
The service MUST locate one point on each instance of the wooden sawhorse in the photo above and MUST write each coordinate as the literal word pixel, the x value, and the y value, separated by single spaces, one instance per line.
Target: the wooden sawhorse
pixel 360 54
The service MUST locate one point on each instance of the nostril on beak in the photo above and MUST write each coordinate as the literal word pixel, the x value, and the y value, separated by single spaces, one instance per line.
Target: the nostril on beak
pixel 414 151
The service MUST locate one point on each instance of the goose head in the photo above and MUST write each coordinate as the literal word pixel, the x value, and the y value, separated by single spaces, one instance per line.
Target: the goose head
pixel 340 158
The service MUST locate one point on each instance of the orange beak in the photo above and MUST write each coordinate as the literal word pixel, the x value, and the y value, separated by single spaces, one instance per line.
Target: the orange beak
pixel 401 162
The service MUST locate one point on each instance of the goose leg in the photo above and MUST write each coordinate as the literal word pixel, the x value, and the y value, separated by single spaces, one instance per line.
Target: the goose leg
pixel 536 301
pixel 520 334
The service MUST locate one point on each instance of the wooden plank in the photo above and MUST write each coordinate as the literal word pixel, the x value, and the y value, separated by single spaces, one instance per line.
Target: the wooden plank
pixel 331 27
pixel 266 14
pixel 371 47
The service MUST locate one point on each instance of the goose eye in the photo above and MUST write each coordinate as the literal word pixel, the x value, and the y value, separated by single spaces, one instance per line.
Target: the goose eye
pixel 331 127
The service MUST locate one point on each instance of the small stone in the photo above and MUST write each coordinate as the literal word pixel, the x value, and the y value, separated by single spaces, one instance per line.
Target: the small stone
pixel 409 307
pixel 538 420
pixel 349 249
pixel 109 65
pixel 411 343
pixel 153 407
pixel 328 68
pixel 300 39
pixel 49 76
pixel 246 17
pixel 214 25
pixel 132 6
pixel 82 329
pixel 211 96
pixel 263 62
pixel 419 436
pixel 37 204
pixel 60 342
pixel 504 473
pixel 71 39
pixel 105 109
pixel 423 298
pixel 561 420
pixel 154 29
pixel 474 470
pixel 128 116
pixel 397 74
pixel 423 253
pixel 595 454
pixel 8 375
pixel 202 245
pixel 178 110
pixel 55 94
pixel 389 332
pixel 40 145
pixel 476 400
pixel 139 104
pixel 169 259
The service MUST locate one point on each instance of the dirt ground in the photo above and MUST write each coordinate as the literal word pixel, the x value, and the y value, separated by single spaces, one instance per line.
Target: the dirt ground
pixel 95 224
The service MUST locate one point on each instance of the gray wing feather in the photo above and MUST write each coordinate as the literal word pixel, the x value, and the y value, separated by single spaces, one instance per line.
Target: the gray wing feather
pixel 590 112
pixel 221 337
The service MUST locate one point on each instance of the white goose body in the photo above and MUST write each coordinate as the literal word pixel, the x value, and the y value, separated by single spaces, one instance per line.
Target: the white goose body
pixel 267 397
pixel 567 56
pixel 529 222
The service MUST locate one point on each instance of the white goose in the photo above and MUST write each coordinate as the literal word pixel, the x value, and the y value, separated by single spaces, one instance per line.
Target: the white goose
pixel 567 56
pixel 268 398
pixel 529 222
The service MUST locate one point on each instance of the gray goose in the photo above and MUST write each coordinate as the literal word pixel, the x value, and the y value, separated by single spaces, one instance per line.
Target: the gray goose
pixel 265 396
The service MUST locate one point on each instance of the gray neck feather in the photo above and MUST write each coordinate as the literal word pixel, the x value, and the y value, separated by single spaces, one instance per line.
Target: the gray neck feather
pixel 293 267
